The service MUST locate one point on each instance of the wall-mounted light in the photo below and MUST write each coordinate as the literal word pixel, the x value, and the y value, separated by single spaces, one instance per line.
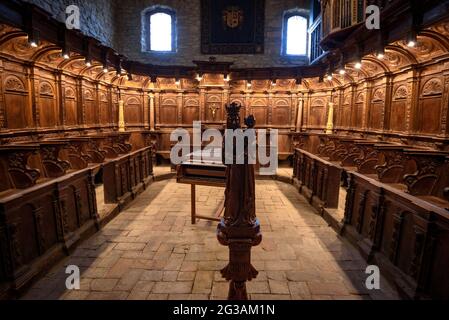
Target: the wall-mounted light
pixel 273 82
pixel 227 78
pixel 342 71
pixel 105 69
pixel 65 55
pixel 88 63
pixel 380 53
pixel 248 84
pixel 329 76
pixel 358 64
pixel 33 38
pixel 411 39
pixel 177 81
pixel 199 77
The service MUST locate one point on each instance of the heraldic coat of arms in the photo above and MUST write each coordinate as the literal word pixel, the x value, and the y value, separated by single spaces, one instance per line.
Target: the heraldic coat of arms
pixel 232 17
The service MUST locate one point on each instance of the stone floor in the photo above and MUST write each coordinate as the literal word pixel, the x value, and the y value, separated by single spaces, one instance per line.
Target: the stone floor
pixel 151 251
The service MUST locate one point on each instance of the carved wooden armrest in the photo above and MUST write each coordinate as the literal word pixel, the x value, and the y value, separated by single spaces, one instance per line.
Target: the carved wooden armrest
pixel 22 176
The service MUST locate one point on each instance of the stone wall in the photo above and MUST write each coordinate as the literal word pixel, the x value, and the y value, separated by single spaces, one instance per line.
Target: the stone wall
pixel 96 16
pixel 117 24
pixel 128 36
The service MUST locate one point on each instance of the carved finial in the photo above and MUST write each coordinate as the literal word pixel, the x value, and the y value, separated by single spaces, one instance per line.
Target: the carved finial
pixel 250 121
pixel 233 118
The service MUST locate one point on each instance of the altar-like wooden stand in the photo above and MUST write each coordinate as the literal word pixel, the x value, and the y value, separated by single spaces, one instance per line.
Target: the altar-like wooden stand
pixel 204 173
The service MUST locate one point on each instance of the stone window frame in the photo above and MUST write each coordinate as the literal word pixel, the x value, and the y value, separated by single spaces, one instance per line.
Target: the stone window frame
pixel 146 29
pixel 287 15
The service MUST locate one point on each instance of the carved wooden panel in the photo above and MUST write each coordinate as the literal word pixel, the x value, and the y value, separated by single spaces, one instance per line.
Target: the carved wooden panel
pixel 214 107
pixel 89 106
pixel 70 106
pixel 190 110
pixel 133 110
pixel 346 110
pixel 17 103
pixel 317 112
pixel 281 112
pixel 48 111
pixel 359 109
pixel 376 109
pixel 168 110
pixel 104 108
pixel 430 101
pixel 399 108
pixel 259 108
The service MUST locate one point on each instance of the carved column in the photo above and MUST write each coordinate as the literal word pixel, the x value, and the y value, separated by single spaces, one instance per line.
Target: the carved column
pixel 121 114
pixel 387 107
pixel 151 111
pixel 413 84
pixel 179 99
pixel 330 118
pixel 299 114
pixel 239 229
pixel 157 106
pixel 60 97
pixel 270 108
pixel 444 119
pixel 33 84
pixel 97 103
pixel 80 105
pixel 2 102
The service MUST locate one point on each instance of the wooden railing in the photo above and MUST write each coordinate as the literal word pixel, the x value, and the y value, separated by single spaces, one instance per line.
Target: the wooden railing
pixel 47 203
pixel 404 235
pixel 40 224
pixel 341 14
pixel 396 208
pixel 315 37
pixel 126 176
pixel 317 179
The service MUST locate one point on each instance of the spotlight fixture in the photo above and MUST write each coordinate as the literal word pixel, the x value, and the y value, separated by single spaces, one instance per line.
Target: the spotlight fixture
pixel 248 84
pixel 105 69
pixel 65 55
pixel 177 82
pixel 358 64
pixel 273 82
pixel 329 77
pixel 33 38
pixel 380 53
pixel 411 39
pixel 88 63
pixel 199 77
pixel 342 71
pixel 226 78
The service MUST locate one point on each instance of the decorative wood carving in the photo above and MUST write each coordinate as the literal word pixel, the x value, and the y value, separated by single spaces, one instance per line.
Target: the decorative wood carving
pixel 239 229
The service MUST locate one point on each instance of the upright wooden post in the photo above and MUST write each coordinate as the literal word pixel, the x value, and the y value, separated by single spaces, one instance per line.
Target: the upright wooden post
pixel 239 229
pixel 121 116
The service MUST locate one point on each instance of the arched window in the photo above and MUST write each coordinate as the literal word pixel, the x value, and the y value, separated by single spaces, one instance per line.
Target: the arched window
pixel 295 36
pixel 159 29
